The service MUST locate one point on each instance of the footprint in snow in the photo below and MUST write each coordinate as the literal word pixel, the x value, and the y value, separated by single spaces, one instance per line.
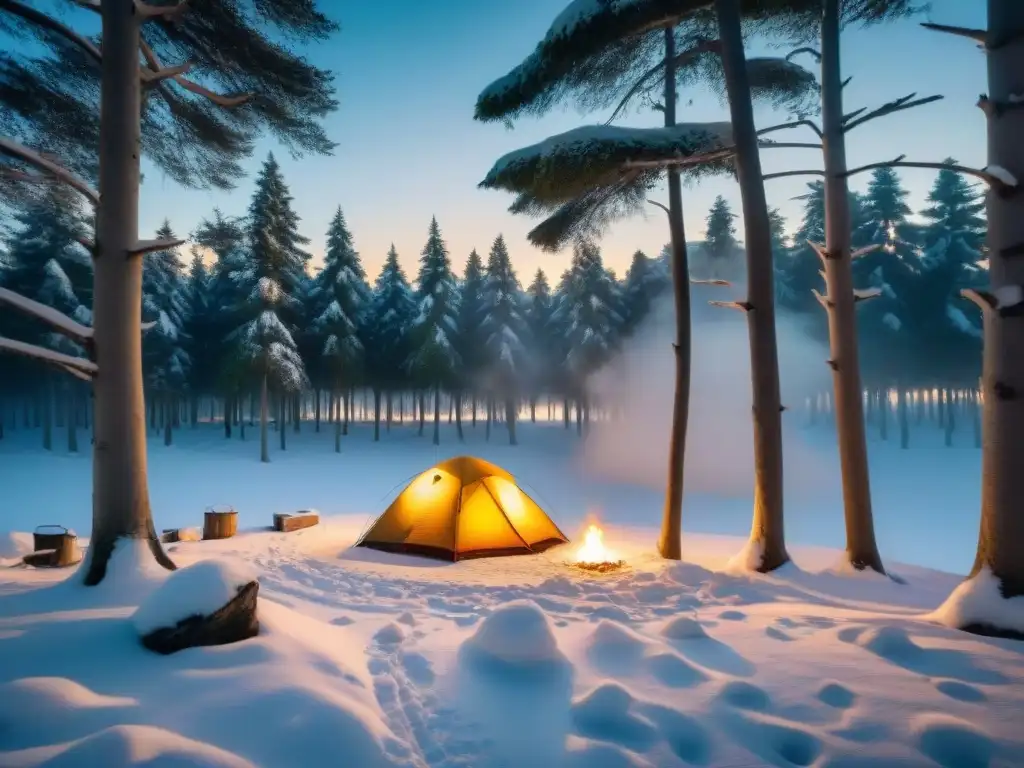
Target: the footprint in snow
pixel 952 742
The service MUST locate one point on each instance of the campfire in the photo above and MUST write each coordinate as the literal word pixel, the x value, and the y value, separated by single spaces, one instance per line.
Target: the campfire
pixel 593 555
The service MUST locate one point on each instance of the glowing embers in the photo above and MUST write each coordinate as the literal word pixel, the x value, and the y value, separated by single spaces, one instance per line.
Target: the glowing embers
pixel 593 555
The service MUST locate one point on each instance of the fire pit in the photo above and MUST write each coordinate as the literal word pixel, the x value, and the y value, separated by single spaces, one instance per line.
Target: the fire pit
pixel 594 556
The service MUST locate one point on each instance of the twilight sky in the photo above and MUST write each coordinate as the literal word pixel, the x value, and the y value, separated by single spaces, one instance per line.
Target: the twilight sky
pixel 408 74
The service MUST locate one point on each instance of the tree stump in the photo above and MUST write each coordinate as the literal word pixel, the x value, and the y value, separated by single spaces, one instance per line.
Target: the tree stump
pixel 220 523
pixel 231 623
pixel 287 523
pixel 174 535
pixel 55 547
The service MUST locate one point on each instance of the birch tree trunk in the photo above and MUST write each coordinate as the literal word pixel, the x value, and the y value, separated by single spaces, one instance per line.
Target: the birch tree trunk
pixel 670 537
pixel 767 531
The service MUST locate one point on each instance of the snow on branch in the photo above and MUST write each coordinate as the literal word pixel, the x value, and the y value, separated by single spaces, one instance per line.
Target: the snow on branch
pixel 41 19
pixel 865 250
pixel 745 306
pixel 149 246
pixel 995 176
pixel 860 295
pixel 710 282
pixel 57 319
pixel 783 174
pixel 81 365
pixel 19 152
pixel 795 124
pixel 1007 299
pixel 897 105
pixel 156 68
pixel 769 144
pixel 572 163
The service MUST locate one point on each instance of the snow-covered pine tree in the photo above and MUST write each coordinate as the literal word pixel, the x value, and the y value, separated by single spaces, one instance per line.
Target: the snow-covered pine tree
pixel 165 358
pixel 434 359
pixel 586 312
pixel 720 245
pixel 782 255
pixel 47 263
pixel 947 329
pixel 274 274
pixel 200 344
pixel 388 328
pixel 504 329
pixel 645 283
pixel 539 308
pixel 471 335
pixel 341 297
pixel 225 236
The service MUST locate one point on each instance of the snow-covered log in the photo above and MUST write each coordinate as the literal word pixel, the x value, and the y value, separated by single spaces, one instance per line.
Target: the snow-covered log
pixel 571 163
pixel 74 330
pixel 58 359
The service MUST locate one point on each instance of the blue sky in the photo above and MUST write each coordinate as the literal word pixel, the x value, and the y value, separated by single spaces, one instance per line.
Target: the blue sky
pixel 408 73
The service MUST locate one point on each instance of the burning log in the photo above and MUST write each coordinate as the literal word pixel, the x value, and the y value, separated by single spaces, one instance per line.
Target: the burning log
pixel 594 556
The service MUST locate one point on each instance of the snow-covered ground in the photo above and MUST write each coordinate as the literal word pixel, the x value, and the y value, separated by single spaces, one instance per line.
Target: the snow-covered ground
pixel 369 659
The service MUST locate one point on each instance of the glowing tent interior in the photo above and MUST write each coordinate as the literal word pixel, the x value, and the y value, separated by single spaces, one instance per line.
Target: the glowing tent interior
pixel 464 507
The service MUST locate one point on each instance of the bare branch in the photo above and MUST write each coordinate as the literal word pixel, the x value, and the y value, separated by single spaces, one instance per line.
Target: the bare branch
pixel 714 281
pixel 656 204
pixel 40 19
pixel 15 150
pixel 149 246
pixel 820 250
pixel 851 115
pixel 77 373
pixel 795 124
pixel 219 99
pixel 846 82
pixel 825 302
pixel 783 174
pixel 983 299
pixel 745 306
pixel 151 77
pixel 992 180
pixel 893 106
pixel 813 52
pixel 48 355
pixel 148 326
pixel 865 251
pixel 980 36
pixel 997 108
pixel 707 46
pixel 787 145
pixel 89 5
pixel 679 162
pixel 146 11
pixel 60 322
pixel 864 294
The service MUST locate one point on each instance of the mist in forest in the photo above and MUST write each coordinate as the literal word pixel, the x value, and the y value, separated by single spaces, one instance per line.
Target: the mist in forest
pixel 639 382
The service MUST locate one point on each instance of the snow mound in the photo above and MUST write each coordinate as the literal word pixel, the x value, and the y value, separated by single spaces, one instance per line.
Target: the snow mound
pixel 132 571
pixel 197 590
pixel 978 601
pixel 44 697
pixel 683 628
pixel 14 545
pixel 604 714
pixel 889 642
pixel 952 742
pixel 748 559
pixel 129 745
pixel 519 635
pixel 389 634
pixel 844 569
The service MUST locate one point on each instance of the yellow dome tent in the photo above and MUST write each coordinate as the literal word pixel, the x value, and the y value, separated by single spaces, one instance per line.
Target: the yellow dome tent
pixel 463 507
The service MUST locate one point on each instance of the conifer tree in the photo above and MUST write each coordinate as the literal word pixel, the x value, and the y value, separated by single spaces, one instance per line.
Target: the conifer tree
pixel 273 275
pixel 434 359
pixel 720 241
pixel 165 357
pixel 389 328
pixel 199 332
pixel 645 283
pixel 504 329
pixel 538 316
pixel 471 336
pixel 341 297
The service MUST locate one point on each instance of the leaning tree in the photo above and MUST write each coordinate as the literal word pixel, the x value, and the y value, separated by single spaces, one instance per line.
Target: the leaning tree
pixel 605 54
pixel 84 114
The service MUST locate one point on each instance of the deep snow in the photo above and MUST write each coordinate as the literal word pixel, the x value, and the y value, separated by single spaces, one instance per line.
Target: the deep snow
pixel 369 659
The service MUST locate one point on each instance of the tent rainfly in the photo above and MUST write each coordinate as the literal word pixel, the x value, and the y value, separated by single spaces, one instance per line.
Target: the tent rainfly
pixel 462 508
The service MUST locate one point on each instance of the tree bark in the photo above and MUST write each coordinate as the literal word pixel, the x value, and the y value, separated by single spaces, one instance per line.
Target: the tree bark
pixel 767 529
pixel 120 494
pixel 437 415
pixel 566 412
pixel 861 548
pixel 670 537
pixel 976 407
pixel 264 418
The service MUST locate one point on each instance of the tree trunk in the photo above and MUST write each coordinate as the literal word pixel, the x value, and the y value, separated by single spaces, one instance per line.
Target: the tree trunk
pixel 510 419
pixel 316 410
pixel 423 411
pixel 533 410
pixel 348 410
pixel 48 414
pixel 282 420
pixel 376 414
pixel 228 412
pixel 901 406
pixel 861 548
pixel 474 410
pixel 670 537
pixel 264 418
pixel 976 407
pixel 490 418
pixel 437 415
pixel 950 418
pixel 390 411
pixel 120 493
pixel 72 417
pixel 169 406
pixel 458 416
pixel 579 418
pixel 1001 535
pixel 451 409
pixel 567 410
pixel 767 531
